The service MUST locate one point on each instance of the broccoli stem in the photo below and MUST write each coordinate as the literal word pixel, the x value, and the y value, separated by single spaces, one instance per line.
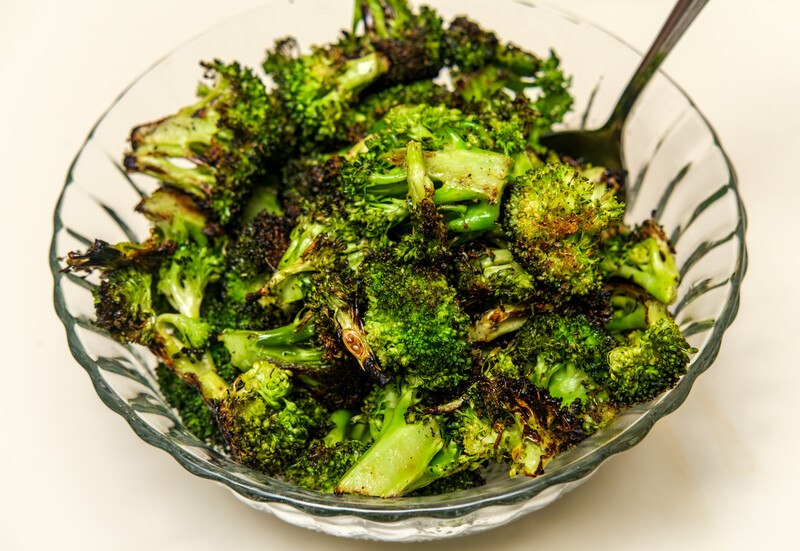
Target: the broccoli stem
pixel 420 186
pixel 195 369
pixel 384 470
pixel 276 345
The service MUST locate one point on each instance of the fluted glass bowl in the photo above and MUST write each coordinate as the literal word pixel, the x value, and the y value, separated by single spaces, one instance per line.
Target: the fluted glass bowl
pixel 677 169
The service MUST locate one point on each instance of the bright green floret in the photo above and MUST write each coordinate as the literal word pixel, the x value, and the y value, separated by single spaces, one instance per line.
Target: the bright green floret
pixel 318 88
pixel 415 325
pixel 647 362
pixel 184 279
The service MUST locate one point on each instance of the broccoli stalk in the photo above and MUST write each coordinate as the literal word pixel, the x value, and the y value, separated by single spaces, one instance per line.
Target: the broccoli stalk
pixel 381 470
pixel 176 216
pixel 288 344
pixel 180 341
pixel 632 308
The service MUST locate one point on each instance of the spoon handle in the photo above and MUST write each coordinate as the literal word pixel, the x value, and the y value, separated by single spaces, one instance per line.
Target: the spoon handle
pixel 676 24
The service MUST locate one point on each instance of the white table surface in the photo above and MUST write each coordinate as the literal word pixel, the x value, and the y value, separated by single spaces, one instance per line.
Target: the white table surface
pixel 720 473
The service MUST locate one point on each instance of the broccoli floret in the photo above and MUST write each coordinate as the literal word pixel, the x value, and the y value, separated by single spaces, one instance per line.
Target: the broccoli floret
pixel 184 279
pixel 647 361
pixel 124 305
pixel 258 246
pixel 565 355
pixel 484 69
pixel 468 47
pixel 223 141
pixel 415 325
pixel 553 218
pixel 461 480
pixel 509 419
pixel 328 459
pixel 644 256
pixel 267 425
pixel 559 352
pixel 317 88
pixel 411 42
pixel 364 115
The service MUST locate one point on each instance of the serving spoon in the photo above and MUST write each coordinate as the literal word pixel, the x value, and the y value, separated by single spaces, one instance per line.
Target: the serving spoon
pixel 603 146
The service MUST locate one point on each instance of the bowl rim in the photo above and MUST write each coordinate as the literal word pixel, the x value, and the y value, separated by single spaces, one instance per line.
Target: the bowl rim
pixel 393 510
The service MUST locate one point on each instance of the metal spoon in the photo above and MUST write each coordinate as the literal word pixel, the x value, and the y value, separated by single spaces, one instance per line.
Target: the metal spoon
pixel 604 145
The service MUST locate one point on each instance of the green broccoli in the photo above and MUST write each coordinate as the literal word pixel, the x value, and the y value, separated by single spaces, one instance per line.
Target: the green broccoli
pixel 223 141
pixel 644 256
pixel 414 324
pixel 553 218
pixel 328 459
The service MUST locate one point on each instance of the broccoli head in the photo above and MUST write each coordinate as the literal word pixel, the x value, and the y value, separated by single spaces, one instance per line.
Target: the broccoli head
pixel 644 256
pixel 647 362
pixel 414 324
pixel 264 422
pixel 553 218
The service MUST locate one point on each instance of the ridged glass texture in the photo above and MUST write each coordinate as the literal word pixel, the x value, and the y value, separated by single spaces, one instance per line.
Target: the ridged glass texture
pixel 677 168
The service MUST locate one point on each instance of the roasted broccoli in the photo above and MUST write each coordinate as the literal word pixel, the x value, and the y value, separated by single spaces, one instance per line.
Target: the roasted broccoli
pixel 364 274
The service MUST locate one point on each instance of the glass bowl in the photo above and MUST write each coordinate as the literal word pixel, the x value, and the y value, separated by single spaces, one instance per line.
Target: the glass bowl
pixel 677 169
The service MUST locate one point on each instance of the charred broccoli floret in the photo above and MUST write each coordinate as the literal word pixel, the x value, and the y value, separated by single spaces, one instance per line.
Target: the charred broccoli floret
pixel 645 256
pixel 216 149
pixel 266 423
pixel 553 218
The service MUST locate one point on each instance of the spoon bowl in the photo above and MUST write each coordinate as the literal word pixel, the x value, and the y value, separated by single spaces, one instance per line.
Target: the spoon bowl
pixel 603 146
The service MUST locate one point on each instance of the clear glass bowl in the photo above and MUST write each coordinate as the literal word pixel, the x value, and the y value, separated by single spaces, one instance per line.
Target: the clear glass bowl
pixel 677 168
